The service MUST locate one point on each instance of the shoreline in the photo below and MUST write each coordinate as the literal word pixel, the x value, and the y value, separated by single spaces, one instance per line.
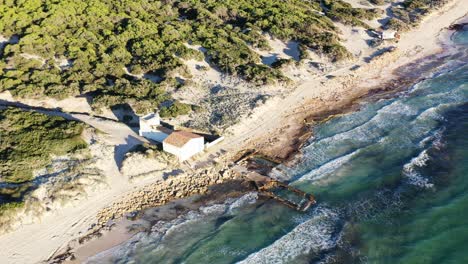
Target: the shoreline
pixel 122 229
pixel 383 76
pixel 290 123
pixel 389 88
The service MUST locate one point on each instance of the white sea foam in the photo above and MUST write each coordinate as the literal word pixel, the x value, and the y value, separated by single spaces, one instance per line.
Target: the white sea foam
pixel 327 168
pixel 216 209
pixel 398 108
pixel 246 199
pixel 330 153
pixel 413 176
pixel 425 141
pixel 434 139
pixel 368 132
pixel 437 143
pixel 431 113
pixel 314 235
pixel 345 123
pixel 155 240
pixel 446 98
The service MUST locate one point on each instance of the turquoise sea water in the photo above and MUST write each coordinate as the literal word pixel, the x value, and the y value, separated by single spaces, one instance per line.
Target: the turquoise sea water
pixel 391 181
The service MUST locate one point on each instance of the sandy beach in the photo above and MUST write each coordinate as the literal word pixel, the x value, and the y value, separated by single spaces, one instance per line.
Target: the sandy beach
pixel 319 96
pixel 276 129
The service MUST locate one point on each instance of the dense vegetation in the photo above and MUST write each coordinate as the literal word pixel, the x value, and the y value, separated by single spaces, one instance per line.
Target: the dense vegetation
pixel 10 206
pixel 28 139
pixel 341 11
pixel 410 12
pixel 99 38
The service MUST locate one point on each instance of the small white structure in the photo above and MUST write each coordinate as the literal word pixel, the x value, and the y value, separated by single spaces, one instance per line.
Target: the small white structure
pixel 150 127
pixel 183 144
pixel 212 143
pixel 388 34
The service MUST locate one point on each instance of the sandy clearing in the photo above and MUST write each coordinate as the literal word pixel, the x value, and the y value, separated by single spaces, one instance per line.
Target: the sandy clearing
pixel 33 57
pixel 355 40
pixel 279 50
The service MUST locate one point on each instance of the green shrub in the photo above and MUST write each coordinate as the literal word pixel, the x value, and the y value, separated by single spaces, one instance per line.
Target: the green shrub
pixel 10 206
pixel 102 37
pixel 341 11
pixel 278 64
pixel 261 74
pixel 175 109
pixel 411 12
pixel 28 139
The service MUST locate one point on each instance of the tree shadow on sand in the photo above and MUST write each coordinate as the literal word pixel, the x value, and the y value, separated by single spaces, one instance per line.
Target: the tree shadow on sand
pixel 125 114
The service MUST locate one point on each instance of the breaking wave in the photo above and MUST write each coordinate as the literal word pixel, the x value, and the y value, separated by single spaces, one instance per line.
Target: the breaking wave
pixel 327 168
pixel 410 170
pixel 163 230
pixel 312 236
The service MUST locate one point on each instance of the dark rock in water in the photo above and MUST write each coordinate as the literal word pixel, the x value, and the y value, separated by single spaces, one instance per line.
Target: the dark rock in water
pixel 132 215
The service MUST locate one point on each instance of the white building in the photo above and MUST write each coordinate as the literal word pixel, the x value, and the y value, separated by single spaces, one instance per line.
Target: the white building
pixel 183 144
pixel 150 127
pixel 388 34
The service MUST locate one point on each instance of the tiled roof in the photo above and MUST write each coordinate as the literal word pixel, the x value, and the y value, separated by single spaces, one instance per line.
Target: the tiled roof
pixel 180 138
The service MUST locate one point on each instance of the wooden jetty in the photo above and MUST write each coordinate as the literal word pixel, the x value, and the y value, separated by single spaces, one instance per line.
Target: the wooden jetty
pixel 278 191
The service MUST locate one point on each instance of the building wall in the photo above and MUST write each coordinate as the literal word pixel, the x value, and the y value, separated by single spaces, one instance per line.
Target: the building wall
pixel 191 148
pixel 210 144
pixel 144 127
pixel 388 34
pixel 147 125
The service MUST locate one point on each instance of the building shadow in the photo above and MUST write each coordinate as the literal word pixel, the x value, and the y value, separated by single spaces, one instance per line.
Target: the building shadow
pixel 121 150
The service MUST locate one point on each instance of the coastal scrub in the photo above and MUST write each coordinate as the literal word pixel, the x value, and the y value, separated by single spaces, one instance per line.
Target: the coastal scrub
pixel 29 139
pixel 107 50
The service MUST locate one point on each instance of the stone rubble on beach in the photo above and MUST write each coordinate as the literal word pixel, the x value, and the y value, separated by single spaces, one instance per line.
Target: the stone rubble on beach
pixel 163 192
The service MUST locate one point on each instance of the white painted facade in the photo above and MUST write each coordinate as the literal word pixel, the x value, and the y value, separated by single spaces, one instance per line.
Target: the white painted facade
pixel 149 128
pixel 388 34
pixel 192 147
pixel 182 144
pixel 212 143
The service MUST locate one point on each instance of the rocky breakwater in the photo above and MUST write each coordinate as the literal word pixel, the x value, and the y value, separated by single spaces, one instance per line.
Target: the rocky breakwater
pixel 162 192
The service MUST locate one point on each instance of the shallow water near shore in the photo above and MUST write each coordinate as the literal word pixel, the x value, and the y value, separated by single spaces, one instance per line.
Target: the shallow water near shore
pixel 390 181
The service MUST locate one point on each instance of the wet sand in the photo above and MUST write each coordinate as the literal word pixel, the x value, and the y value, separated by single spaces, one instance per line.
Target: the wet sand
pixel 123 229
